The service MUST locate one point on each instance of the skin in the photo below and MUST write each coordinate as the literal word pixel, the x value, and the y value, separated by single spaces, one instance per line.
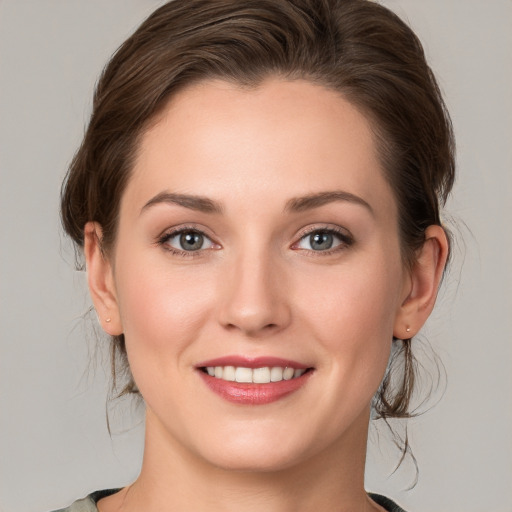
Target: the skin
pixel 258 288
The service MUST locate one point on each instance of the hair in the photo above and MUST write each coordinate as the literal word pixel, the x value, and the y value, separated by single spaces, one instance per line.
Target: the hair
pixel 355 47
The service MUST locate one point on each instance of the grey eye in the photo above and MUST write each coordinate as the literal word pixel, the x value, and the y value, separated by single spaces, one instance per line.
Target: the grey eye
pixel 189 241
pixel 321 241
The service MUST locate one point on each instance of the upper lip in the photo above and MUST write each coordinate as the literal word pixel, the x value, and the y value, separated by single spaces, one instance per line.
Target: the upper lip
pixel 252 362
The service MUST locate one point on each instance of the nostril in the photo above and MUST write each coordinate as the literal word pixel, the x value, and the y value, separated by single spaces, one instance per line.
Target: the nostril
pixel 253 313
pixel 258 330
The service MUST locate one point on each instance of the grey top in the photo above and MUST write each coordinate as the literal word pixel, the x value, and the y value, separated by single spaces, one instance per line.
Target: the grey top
pixel 88 504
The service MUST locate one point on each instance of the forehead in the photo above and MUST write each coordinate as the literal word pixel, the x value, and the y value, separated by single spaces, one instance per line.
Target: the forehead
pixel 278 140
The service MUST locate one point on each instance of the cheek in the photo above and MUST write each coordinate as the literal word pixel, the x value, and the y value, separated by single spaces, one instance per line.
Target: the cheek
pixel 162 310
pixel 353 316
pixel 354 299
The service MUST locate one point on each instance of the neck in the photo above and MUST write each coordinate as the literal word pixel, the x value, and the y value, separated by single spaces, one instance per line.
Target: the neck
pixel 174 478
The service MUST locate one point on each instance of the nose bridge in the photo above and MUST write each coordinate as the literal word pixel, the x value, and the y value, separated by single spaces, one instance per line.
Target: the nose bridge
pixel 253 301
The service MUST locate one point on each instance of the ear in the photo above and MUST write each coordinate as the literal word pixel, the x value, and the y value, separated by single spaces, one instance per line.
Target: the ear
pixel 100 278
pixel 421 289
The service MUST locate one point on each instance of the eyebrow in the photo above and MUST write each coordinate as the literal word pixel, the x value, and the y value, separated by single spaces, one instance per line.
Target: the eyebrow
pixel 198 203
pixel 300 204
pixel 296 204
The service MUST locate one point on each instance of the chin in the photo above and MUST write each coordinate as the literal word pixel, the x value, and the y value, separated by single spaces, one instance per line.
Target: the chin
pixel 254 450
pixel 251 459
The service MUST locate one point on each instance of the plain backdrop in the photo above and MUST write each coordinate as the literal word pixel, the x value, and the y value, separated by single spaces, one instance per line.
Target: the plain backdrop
pixel 54 444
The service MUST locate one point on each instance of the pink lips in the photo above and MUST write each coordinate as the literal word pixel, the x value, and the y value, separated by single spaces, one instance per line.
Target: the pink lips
pixel 250 393
pixel 257 362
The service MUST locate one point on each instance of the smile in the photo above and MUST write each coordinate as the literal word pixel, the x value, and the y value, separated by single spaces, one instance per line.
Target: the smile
pixel 262 375
pixel 253 381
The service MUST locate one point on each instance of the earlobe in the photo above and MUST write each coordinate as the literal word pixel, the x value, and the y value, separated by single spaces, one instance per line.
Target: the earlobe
pixel 424 279
pixel 101 280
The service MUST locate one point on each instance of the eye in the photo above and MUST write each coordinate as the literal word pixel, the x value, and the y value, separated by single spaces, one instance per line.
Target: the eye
pixel 323 240
pixel 188 240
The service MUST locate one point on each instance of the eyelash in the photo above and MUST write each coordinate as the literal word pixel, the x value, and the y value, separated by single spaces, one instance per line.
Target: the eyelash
pixel 345 238
pixel 164 239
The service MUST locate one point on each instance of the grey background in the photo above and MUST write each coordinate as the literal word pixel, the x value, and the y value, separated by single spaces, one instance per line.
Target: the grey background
pixel 54 445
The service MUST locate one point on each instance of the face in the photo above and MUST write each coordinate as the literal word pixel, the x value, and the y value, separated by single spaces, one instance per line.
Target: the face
pixel 257 274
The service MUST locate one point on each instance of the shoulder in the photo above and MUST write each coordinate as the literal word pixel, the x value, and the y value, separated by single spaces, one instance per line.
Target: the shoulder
pixel 84 505
pixel 88 504
pixel 386 503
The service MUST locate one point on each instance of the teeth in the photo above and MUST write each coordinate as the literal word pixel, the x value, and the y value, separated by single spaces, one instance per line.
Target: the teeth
pixel 261 375
pixel 256 375
pixel 276 374
pixel 229 373
pixel 288 373
pixel 241 374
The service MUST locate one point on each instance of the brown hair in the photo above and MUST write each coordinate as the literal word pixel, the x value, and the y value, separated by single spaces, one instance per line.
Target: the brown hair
pixel 355 47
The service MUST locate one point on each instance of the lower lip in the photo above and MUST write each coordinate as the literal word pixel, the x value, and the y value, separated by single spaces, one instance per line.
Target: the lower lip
pixel 254 394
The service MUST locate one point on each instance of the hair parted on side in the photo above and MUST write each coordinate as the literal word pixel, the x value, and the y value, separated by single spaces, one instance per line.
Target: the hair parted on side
pixel 355 47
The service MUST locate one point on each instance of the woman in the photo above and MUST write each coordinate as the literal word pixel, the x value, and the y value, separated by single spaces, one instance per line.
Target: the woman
pixel 257 197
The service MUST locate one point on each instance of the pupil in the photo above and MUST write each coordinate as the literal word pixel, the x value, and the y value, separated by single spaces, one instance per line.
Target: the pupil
pixel 321 241
pixel 191 241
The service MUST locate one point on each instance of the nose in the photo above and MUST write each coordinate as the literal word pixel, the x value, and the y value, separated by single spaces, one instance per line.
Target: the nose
pixel 254 296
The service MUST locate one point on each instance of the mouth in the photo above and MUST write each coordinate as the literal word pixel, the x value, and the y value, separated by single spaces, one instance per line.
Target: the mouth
pixel 262 375
pixel 257 381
